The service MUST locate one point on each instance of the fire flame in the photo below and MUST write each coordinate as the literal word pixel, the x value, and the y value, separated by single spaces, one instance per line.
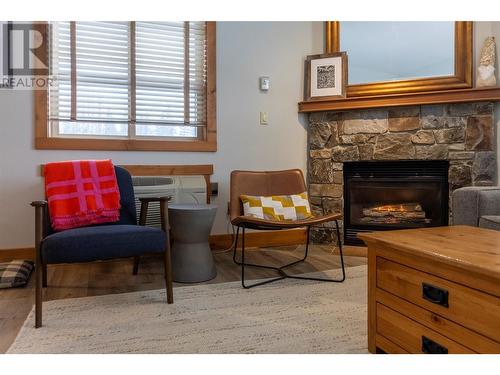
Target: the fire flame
pixel 391 208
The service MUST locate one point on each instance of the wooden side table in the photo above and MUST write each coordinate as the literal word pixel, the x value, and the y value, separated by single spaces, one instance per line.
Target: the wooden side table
pixel 434 290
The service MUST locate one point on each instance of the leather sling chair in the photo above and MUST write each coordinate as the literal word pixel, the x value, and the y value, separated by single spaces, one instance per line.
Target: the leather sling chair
pixel 285 182
pixel 123 239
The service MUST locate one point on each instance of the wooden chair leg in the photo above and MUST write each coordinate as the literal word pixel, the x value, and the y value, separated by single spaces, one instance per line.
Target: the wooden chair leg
pixel 39 266
pixel 44 276
pixel 167 256
pixel 168 276
pixel 38 295
pixel 136 265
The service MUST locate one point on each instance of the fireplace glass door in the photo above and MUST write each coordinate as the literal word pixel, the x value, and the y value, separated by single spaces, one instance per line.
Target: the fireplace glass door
pixel 395 204
pixel 394 195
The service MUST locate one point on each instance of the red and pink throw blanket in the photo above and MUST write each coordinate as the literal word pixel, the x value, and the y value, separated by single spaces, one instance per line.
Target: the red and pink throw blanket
pixel 81 193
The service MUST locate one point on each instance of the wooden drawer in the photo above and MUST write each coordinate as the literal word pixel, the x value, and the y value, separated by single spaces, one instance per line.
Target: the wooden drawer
pixel 454 331
pixel 412 336
pixel 387 346
pixel 469 307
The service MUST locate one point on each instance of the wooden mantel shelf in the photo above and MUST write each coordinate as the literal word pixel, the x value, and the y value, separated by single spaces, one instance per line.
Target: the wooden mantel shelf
pixel 397 100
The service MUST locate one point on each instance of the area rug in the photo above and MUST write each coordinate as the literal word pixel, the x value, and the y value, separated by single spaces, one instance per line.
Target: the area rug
pixel 289 316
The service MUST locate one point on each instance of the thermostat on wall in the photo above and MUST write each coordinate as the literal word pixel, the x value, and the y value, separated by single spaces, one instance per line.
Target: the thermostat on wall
pixel 264 83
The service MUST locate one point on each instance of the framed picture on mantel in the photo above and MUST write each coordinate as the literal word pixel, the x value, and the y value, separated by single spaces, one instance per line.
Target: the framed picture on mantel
pixel 326 76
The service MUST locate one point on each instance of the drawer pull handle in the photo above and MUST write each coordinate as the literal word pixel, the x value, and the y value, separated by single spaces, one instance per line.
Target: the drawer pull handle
pixel 435 295
pixel 432 347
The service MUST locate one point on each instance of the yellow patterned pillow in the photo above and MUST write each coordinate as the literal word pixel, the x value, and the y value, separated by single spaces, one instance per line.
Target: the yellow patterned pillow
pixel 277 207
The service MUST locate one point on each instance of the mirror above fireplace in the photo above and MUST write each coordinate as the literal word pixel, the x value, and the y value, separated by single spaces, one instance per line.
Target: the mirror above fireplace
pixel 403 57
pixel 396 51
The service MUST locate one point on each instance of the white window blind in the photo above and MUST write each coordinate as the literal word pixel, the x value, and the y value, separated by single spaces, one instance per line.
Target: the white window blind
pixel 128 79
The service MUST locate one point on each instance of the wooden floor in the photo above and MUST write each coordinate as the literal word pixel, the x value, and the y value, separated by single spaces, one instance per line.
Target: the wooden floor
pixel 98 278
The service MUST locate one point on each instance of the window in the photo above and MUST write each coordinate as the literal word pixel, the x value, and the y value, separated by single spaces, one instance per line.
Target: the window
pixel 129 85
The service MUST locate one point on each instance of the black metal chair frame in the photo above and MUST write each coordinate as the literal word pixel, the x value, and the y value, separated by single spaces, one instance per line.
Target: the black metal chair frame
pixel 280 270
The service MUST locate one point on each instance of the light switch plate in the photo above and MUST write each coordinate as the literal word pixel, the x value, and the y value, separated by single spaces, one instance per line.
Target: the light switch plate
pixel 264 120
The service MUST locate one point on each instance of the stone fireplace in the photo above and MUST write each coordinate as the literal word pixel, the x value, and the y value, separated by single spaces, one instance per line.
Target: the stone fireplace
pixel 461 134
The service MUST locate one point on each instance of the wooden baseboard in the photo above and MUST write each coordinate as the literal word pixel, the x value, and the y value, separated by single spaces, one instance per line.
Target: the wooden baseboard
pixel 217 242
pixel 27 253
pixel 353 251
pixel 261 239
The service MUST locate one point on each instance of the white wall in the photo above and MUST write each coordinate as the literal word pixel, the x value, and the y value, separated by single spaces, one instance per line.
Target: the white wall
pixel 482 30
pixel 245 50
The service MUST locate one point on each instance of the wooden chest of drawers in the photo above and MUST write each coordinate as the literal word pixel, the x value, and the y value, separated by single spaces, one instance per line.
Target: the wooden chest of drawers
pixel 434 290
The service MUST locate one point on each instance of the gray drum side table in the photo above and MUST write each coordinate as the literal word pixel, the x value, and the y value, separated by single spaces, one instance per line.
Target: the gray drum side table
pixel 190 226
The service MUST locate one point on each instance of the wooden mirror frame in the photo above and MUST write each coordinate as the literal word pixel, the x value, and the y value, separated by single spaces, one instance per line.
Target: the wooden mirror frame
pixel 460 80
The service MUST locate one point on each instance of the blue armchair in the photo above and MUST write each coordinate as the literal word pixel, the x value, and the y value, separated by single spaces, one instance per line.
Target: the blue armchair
pixel 122 239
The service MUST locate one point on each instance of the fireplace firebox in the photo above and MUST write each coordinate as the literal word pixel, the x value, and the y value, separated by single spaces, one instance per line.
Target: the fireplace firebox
pixel 394 195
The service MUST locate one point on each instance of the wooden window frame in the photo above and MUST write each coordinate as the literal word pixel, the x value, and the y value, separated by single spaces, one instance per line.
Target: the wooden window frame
pixel 206 143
